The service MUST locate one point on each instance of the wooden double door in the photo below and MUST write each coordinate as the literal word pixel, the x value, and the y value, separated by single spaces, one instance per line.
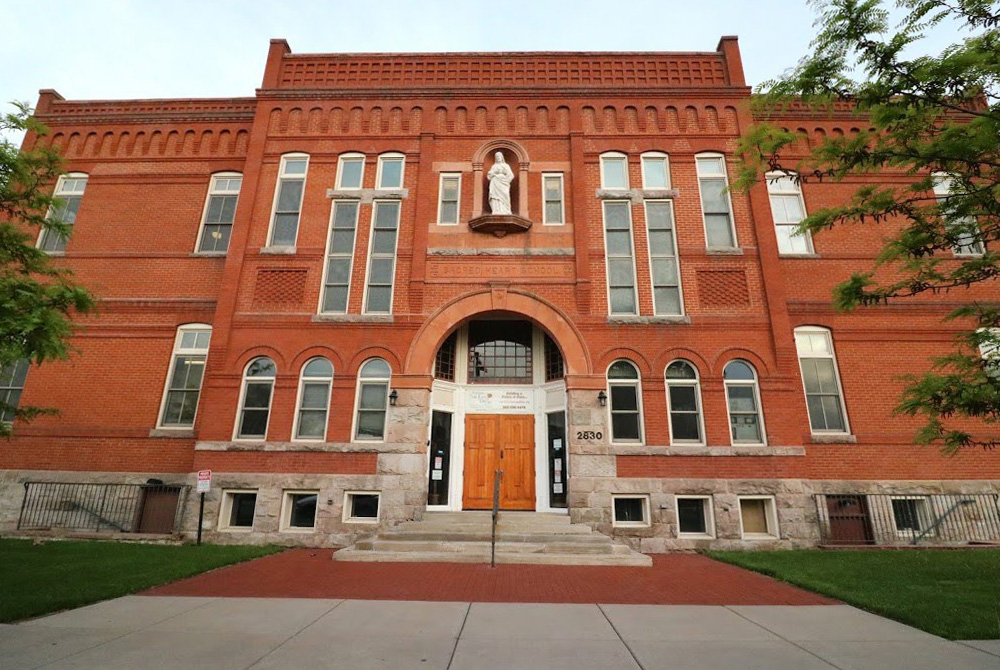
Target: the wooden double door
pixel 505 442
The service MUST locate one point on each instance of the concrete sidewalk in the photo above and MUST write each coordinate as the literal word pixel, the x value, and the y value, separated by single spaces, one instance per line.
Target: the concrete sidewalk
pixel 148 633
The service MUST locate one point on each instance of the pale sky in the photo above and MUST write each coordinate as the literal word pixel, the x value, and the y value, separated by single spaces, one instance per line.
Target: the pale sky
pixel 107 49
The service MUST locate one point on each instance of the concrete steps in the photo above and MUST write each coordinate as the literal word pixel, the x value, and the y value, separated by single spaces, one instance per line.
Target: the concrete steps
pixel 522 537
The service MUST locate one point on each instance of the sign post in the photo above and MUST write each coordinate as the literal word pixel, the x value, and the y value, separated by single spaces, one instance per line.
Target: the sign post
pixel 204 486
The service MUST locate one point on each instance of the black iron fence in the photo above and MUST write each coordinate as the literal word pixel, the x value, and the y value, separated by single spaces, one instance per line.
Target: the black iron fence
pixel 102 508
pixel 904 519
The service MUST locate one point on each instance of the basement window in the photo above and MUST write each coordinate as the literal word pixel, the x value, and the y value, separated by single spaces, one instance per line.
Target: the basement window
pixel 758 520
pixel 694 517
pixel 299 510
pixel 238 509
pixel 631 511
pixel 361 506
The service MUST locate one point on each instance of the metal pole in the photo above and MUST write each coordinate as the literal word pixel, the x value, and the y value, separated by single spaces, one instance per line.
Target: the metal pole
pixel 201 515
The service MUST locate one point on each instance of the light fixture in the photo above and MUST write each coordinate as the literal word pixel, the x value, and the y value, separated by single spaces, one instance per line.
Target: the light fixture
pixel 393 397
pixel 602 398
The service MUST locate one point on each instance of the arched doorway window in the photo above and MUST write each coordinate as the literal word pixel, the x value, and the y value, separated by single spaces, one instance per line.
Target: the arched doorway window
pixel 500 352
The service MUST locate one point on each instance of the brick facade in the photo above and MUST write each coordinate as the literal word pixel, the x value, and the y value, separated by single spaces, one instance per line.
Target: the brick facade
pixel 149 164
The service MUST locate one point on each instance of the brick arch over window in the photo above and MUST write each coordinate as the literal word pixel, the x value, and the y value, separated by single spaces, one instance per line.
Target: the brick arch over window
pixel 420 359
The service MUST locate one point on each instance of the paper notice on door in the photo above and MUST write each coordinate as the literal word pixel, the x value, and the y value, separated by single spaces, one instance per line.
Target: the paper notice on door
pixel 557 477
pixel 438 462
pixel 557 464
pixel 556 444
pixel 436 474
pixel 557 488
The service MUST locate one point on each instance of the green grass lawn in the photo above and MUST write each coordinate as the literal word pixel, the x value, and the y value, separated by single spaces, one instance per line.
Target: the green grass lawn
pixel 954 594
pixel 38 579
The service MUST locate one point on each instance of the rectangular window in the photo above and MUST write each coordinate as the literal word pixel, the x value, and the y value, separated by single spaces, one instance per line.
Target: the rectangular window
pixel 663 257
pixel 382 257
pixel 622 297
pixel 350 171
pixel 69 190
pixel 694 517
pixel 238 508
pixel 339 256
pixel 824 399
pixel 655 172
pixel 12 378
pixel 390 172
pixel 361 506
pixel 788 209
pixel 715 204
pixel 968 243
pixel 220 210
pixel 910 515
pixel 685 413
pixel 187 370
pixel 614 172
pixel 758 520
pixel 450 189
pixel 552 193
pixel 288 200
pixel 299 510
pixel 630 511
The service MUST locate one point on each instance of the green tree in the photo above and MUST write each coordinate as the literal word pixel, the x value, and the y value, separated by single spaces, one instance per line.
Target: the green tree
pixel 37 297
pixel 936 118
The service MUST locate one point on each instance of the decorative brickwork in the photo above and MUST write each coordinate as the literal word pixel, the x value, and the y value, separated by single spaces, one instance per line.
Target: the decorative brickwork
pixel 723 288
pixel 279 289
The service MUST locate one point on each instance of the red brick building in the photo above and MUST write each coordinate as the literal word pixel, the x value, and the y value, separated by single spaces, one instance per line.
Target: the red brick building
pixel 313 293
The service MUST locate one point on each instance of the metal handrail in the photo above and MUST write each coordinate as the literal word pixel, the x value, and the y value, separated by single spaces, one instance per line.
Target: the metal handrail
pixel 497 476
pixel 941 519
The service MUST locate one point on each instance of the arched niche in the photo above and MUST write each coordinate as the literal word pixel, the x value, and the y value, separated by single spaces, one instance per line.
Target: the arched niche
pixel 483 159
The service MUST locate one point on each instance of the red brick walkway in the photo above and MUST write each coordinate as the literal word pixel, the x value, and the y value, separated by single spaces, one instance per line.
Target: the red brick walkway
pixel 678 579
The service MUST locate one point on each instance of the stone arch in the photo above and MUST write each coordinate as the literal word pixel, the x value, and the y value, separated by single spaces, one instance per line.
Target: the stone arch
pixel 420 358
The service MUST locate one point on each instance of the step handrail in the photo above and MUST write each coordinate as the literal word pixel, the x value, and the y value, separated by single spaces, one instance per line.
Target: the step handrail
pixel 497 476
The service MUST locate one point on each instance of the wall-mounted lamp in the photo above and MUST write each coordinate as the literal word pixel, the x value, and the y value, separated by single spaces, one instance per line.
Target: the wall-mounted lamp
pixel 602 398
pixel 393 397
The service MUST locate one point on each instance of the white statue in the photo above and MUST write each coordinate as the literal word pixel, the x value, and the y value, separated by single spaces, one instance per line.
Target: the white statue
pixel 500 177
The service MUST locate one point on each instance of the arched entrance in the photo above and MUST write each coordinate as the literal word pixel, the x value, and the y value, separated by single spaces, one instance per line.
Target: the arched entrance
pixel 498 404
pixel 464 450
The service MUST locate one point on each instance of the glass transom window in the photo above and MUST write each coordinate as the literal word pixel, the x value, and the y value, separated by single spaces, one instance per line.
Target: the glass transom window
pixel 500 352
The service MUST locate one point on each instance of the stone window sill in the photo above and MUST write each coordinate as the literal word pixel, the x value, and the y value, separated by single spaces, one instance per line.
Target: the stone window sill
pixel 724 251
pixel 352 318
pixel 803 256
pixel 367 195
pixel 647 320
pixel 836 438
pixel 636 195
pixel 173 433
pixel 208 254
pixel 278 250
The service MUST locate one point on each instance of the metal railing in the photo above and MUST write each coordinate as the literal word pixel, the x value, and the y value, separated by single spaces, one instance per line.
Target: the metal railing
pixel 102 508
pixel 497 476
pixel 908 519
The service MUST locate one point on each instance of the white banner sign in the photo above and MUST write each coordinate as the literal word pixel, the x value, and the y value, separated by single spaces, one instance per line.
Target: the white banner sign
pixel 499 400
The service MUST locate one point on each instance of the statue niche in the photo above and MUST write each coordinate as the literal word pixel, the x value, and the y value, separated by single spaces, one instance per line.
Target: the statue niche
pixel 501 196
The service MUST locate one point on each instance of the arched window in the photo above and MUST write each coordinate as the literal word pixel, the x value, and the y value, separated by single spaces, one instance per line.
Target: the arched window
pixel 373 395
pixel 313 399
pixel 288 200
pixel 69 190
pixel 716 207
pixel 614 170
pixel 350 171
pixel 389 174
pixel 626 402
pixel 500 352
pixel 746 425
pixel 187 370
pixel 12 378
pixel 220 211
pixel 255 400
pixel 684 404
pixel 821 380
pixel 655 170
